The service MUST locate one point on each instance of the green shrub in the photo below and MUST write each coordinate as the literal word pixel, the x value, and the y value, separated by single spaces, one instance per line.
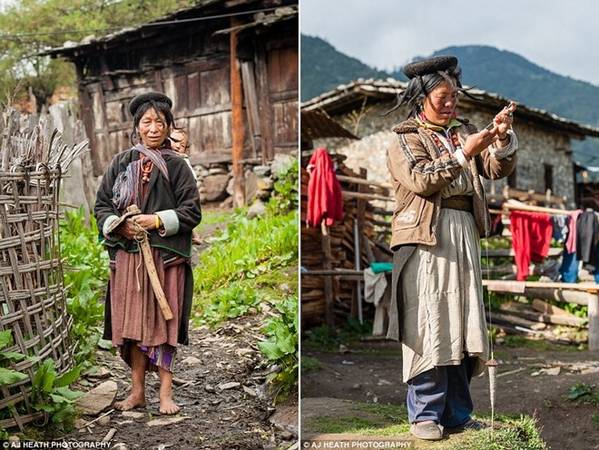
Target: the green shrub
pixel 9 376
pixel 85 277
pixel 50 393
pixel 281 346
pixel 285 191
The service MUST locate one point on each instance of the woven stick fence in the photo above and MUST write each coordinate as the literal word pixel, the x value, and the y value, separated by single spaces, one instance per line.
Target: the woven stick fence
pixel 32 293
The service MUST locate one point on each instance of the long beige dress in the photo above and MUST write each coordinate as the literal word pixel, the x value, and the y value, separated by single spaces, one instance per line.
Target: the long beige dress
pixel 443 310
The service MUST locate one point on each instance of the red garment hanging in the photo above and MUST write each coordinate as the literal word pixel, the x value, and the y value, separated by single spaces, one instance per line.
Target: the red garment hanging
pixel 531 237
pixel 571 240
pixel 325 201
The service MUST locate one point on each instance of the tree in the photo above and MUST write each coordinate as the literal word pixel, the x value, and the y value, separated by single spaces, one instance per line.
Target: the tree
pixel 28 27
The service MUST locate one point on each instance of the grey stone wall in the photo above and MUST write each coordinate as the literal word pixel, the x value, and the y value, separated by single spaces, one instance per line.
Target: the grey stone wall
pixel 538 146
pixel 215 181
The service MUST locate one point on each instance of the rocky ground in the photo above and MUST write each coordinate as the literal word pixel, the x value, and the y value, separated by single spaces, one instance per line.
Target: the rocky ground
pixel 220 386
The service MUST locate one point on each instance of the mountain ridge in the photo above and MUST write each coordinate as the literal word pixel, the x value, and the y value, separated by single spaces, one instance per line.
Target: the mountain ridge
pixel 488 68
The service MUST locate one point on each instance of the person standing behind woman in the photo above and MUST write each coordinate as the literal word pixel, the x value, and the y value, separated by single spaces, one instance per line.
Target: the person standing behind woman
pixel 153 177
pixel 179 138
pixel 441 212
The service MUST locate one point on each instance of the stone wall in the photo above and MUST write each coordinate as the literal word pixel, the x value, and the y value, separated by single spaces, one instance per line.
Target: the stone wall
pixel 538 146
pixel 215 181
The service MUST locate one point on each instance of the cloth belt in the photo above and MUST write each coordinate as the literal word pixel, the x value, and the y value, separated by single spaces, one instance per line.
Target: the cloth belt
pixel 459 202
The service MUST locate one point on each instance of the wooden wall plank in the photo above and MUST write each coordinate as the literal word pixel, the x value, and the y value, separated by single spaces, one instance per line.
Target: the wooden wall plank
pixel 215 87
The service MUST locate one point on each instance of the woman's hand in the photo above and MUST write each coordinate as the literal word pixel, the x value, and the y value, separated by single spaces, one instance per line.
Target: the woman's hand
pixel 128 229
pixel 477 142
pixel 146 221
pixel 131 227
pixel 502 123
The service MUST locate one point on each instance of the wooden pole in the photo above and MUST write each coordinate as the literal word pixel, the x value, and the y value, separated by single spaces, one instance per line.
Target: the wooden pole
pixel 560 295
pixel 366 196
pixel 363 181
pixel 541 209
pixel 328 283
pixel 594 323
pixel 333 272
pixel 237 120
pixel 519 287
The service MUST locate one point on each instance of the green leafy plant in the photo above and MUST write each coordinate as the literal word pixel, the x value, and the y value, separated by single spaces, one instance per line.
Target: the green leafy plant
pixel 584 392
pixel 581 311
pixel 281 346
pixel 50 393
pixel 230 302
pixel 285 192
pixel 85 275
pixel 9 376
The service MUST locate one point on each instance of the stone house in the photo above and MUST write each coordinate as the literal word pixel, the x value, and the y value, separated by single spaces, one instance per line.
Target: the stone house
pixel 545 155
pixel 236 118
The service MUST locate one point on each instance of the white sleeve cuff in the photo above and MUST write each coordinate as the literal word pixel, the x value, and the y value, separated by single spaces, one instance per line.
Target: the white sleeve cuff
pixel 170 222
pixel 508 150
pixel 107 223
pixel 459 155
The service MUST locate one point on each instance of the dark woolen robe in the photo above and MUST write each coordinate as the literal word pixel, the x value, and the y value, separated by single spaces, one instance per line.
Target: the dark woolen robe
pixel 179 193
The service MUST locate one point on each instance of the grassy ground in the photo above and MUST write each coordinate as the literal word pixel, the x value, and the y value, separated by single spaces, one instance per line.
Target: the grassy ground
pixel 367 419
pixel 251 263
pixel 250 267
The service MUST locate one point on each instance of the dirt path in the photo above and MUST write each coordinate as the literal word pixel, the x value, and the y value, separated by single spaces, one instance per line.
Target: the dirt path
pixel 221 389
pixel 235 417
pixel 372 373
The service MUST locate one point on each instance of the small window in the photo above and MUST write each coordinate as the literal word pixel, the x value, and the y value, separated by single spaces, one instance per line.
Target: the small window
pixel 548 177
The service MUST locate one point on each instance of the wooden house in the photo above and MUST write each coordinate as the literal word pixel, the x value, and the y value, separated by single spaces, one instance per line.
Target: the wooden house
pixel 230 66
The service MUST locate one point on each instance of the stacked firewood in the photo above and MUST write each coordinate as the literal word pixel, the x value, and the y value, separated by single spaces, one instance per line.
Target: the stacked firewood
pixel 540 319
pixel 357 206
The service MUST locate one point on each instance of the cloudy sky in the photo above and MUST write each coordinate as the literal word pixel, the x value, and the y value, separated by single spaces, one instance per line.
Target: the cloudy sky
pixel 561 36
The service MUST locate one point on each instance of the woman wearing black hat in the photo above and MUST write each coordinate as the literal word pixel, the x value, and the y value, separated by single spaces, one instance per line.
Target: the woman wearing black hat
pixel 440 215
pixel 159 182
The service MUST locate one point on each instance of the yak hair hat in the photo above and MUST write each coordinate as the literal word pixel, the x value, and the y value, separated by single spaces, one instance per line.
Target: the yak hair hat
pixel 430 65
pixel 140 99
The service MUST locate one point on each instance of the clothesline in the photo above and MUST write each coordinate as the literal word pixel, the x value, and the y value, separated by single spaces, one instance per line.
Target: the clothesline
pixel 517 206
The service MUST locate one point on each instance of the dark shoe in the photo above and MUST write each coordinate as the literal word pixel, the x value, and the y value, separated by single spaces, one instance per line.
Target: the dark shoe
pixel 428 431
pixel 471 424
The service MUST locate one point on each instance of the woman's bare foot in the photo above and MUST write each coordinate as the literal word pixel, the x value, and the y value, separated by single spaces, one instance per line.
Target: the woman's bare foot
pixel 168 406
pixel 135 400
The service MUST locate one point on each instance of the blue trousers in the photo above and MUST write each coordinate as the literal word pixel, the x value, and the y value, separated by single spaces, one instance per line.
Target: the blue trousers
pixel 442 394
pixel 569 268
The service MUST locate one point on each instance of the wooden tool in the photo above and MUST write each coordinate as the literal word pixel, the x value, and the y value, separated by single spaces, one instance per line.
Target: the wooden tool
pixel 146 251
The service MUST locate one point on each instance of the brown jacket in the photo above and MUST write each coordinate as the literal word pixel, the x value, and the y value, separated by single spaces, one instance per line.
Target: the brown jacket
pixel 419 172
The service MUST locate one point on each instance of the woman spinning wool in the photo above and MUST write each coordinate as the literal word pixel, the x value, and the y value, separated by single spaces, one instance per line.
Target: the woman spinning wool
pixel 440 214
pixel 160 183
